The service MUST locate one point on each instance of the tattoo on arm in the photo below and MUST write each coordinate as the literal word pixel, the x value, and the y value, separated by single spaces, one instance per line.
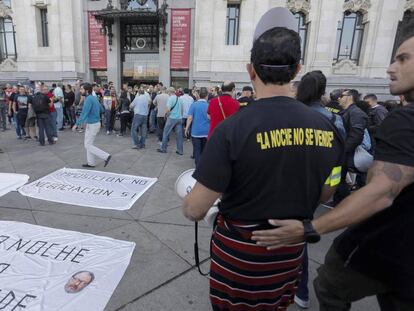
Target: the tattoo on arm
pixel 399 176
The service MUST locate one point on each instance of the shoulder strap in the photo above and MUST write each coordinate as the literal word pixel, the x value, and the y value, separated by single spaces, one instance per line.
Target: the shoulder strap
pixel 172 108
pixel 221 107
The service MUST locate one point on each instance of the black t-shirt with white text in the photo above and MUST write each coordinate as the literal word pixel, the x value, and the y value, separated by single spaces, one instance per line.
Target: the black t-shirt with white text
pixel 382 245
pixel 270 160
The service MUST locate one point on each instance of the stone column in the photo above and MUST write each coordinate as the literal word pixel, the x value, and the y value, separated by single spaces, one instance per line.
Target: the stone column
pixel 114 57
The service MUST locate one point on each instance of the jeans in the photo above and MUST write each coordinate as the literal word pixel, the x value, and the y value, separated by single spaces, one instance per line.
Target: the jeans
pixel 139 122
pixel 152 120
pixel 59 117
pixel 52 120
pixel 91 151
pixel 198 146
pixel 19 129
pixel 176 125
pixel 44 126
pixel 160 127
pixel 338 285
pixel 3 115
pixel 71 115
pixel 108 120
pixel 303 290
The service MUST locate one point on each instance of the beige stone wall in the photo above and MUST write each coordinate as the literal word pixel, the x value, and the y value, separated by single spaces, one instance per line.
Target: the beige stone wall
pixel 216 61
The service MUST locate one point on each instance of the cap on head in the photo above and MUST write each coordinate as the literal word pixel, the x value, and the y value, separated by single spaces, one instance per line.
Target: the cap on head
pixel 275 17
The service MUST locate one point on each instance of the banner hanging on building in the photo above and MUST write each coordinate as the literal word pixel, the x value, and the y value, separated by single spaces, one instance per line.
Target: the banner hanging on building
pixel 11 182
pixel 180 38
pixel 89 188
pixel 97 44
pixel 45 269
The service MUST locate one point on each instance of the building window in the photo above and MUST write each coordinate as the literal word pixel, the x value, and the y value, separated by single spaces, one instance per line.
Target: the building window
pixel 303 32
pixel 44 27
pixel 7 39
pixel 408 17
pixel 232 27
pixel 349 36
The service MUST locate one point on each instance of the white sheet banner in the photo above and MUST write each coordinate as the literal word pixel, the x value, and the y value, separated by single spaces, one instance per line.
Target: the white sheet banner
pixel 45 269
pixel 11 182
pixel 89 188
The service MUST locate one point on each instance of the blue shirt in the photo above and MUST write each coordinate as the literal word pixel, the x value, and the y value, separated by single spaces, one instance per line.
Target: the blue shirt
pixel 140 105
pixel 200 123
pixel 91 111
pixel 177 112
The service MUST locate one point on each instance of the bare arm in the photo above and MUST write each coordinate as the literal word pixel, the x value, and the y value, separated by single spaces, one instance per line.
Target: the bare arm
pixel 385 182
pixel 197 203
pixel 187 127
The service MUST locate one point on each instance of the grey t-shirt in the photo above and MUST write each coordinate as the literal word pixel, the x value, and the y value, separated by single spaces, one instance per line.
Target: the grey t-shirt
pixel 161 103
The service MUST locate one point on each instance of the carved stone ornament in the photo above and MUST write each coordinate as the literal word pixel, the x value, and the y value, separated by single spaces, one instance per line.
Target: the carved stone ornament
pixel 5 11
pixel 296 6
pixel 409 6
pixel 357 6
pixel 345 67
pixel 8 65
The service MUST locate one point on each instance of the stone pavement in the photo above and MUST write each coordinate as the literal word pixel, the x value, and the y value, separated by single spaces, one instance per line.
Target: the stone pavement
pixel 161 275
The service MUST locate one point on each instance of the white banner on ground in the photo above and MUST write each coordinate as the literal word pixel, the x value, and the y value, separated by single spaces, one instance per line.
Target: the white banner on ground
pixel 11 182
pixel 45 269
pixel 89 188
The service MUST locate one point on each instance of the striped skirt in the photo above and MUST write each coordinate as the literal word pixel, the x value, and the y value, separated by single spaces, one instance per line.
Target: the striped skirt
pixel 244 276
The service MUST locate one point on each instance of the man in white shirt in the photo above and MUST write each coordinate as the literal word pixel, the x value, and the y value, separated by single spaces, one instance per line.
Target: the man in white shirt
pixel 160 103
pixel 187 101
pixel 141 108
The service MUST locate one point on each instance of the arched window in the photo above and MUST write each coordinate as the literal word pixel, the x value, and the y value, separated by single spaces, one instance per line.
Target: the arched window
pixel 408 17
pixel 350 32
pixel 303 32
pixel 7 36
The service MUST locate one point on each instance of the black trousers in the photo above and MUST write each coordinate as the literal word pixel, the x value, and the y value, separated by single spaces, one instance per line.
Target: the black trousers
pixel 124 118
pixel 44 126
pixel 337 286
pixel 160 125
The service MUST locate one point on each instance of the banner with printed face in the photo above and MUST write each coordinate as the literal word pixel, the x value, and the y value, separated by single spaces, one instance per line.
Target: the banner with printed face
pixel 45 269
pixel 89 188
pixel 11 182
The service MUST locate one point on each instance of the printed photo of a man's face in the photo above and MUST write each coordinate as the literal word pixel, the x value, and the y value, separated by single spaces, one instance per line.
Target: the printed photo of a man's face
pixel 79 281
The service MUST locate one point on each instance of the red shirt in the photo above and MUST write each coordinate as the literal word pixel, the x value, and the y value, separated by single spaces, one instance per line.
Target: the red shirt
pixel 230 106
pixel 52 108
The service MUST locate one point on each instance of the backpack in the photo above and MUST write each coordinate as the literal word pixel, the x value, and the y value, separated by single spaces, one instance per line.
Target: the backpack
pixel 39 104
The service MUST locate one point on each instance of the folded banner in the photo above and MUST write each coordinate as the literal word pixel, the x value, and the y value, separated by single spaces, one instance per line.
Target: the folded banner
pixel 11 182
pixel 45 269
pixel 89 188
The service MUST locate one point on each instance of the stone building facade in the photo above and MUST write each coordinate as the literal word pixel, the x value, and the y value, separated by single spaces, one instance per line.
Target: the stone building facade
pixel 351 41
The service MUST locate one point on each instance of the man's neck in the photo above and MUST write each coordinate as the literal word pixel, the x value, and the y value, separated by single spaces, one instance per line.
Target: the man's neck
pixel 272 90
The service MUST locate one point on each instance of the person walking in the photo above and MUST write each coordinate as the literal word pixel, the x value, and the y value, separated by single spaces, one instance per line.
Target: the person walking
pixel 91 113
pixel 174 122
pixel 3 109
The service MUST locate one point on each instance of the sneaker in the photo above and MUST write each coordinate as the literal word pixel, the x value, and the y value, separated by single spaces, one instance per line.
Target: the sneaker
pixel 87 165
pixel 120 135
pixel 135 147
pixel 19 137
pixel 161 151
pixel 108 132
pixel 303 304
pixel 80 131
pixel 179 153
pixel 55 139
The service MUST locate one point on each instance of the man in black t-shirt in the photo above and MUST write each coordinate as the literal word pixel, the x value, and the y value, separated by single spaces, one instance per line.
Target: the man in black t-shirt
pixel 21 107
pixel 282 162
pixel 375 256
pixel 246 97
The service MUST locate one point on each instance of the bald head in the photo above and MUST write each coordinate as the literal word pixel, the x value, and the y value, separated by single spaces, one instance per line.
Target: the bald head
pixel 228 87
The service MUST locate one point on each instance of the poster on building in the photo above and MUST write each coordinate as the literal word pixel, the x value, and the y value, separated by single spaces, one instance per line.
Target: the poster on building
pixel 97 44
pixel 11 182
pixel 89 188
pixel 180 38
pixel 50 269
